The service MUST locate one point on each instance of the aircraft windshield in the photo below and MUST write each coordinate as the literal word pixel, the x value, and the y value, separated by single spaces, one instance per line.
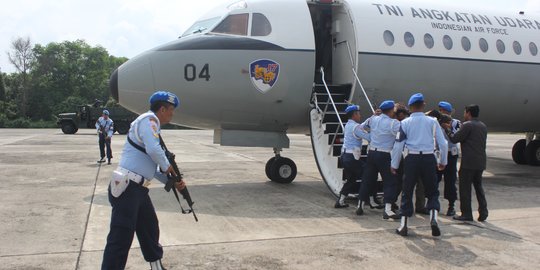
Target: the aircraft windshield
pixel 201 26
pixel 236 24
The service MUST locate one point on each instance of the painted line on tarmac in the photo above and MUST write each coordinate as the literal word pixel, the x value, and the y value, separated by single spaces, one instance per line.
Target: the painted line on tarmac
pixel 88 217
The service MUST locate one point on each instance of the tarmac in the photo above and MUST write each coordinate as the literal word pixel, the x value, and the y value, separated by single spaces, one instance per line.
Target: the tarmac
pixel 55 212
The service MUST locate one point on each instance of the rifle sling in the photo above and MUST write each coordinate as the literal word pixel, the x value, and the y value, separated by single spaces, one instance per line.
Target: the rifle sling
pixel 140 148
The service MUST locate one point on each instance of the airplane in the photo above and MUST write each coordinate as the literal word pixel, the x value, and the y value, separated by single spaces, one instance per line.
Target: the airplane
pixel 257 70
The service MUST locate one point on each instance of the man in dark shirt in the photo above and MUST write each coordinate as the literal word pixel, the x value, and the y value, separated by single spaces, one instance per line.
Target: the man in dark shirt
pixel 472 136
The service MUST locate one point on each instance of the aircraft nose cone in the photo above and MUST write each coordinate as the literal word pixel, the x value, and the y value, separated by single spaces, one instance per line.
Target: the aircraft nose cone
pixel 113 85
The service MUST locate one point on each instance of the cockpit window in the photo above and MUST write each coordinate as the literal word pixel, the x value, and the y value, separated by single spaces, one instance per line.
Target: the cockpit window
pixel 201 26
pixel 260 25
pixel 236 24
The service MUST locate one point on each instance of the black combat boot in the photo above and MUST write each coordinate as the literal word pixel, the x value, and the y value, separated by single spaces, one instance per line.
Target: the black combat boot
pixel 360 208
pixel 435 231
pixel 156 265
pixel 402 230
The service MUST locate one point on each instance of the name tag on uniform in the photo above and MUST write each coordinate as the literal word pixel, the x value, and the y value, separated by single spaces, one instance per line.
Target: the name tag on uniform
pixel 119 183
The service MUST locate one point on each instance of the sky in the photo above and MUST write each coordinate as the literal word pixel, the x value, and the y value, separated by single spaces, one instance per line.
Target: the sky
pixel 129 27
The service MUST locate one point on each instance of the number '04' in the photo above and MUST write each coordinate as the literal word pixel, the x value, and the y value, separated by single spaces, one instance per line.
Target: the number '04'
pixel 190 72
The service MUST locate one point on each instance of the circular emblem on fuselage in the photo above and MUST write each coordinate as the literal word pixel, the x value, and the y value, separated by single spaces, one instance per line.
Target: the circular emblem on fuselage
pixel 264 74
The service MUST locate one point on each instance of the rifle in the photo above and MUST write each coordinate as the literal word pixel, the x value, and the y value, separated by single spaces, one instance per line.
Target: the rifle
pixel 178 178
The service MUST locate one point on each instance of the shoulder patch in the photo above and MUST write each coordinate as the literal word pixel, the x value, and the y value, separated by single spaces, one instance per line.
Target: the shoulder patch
pixel 154 127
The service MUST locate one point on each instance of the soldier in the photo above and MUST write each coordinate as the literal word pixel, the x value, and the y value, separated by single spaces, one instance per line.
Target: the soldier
pixel 132 211
pixel 450 172
pixel 105 129
pixel 350 153
pixel 383 129
pixel 418 136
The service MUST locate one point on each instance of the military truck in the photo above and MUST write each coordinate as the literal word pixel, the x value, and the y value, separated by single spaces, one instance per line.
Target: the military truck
pixel 87 115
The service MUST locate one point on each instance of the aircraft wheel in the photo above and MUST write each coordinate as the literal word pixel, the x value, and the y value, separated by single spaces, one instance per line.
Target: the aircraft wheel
pixel 532 153
pixel 267 167
pixel 518 152
pixel 282 170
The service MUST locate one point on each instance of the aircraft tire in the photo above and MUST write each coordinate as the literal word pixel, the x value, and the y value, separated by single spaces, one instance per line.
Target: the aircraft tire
pixel 518 152
pixel 268 166
pixel 532 153
pixel 283 170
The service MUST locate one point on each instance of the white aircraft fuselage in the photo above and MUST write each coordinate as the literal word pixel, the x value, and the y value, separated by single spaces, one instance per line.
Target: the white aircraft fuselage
pixel 251 66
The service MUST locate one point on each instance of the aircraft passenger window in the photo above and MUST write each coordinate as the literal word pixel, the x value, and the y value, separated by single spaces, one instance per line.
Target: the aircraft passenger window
pixel 483 45
pixel 236 24
pixel 500 46
pixel 447 41
pixel 428 40
pixel 260 26
pixel 388 38
pixel 533 48
pixel 517 48
pixel 409 39
pixel 466 43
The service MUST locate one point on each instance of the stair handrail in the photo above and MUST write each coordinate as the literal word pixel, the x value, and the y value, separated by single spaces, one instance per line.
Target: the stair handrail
pixel 335 109
pixel 355 75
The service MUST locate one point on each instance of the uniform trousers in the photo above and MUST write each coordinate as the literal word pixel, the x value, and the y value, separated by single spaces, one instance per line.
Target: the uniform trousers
pixel 102 144
pixel 355 168
pixel 466 178
pixel 132 213
pixel 419 166
pixel 378 162
pixel 450 176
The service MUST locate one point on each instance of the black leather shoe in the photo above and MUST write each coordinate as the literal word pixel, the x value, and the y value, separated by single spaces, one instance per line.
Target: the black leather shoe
pixel 451 212
pixel 402 232
pixel 462 218
pixel 339 205
pixel 101 160
pixel 393 216
pixel 483 216
pixel 435 231
pixel 422 211
pixel 359 211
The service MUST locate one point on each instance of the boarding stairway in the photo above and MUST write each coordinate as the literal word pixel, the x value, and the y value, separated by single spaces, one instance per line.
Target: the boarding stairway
pixel 327 124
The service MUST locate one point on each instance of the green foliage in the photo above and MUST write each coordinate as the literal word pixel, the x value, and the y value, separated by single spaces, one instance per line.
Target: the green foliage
pixel 2 88
pixel 18 123
pixel 62 76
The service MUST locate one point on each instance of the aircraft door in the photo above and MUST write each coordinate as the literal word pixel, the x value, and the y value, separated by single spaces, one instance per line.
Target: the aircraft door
pixel 345 54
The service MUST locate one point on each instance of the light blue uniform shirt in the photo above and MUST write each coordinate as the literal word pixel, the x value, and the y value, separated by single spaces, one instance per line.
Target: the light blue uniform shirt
pixel 353 136
pixel 383 131
pixel 108 126
pixel 147 127
pixel 456 124
pixel 419 133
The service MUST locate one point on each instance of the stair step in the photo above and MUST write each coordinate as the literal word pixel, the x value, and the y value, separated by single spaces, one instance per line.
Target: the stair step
pixel 341 89
pixel 341 106
pixel 332 117
pixel 338 98
pixel 331 128
pixel 338 138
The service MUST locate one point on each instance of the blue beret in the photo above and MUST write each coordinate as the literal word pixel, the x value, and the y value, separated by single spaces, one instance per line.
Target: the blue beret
pixel 418 97
pixel 387 105
pixel 105 112
pixel 445 106
pixel 164 96
pixel 352 108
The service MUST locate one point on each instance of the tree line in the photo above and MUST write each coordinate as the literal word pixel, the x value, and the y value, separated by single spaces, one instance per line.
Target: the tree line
pixel 51 79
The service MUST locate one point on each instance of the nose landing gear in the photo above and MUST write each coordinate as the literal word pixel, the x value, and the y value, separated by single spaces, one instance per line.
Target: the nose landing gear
pixel 280 169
